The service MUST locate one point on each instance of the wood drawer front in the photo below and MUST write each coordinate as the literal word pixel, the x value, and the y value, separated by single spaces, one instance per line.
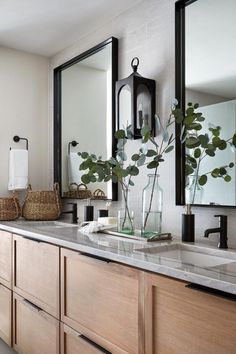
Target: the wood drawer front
pixel 34 331
pixel 5 314
pixel 181 320
pixel 73 342
pixel 6 258
pixel 36 273
pixel 101 297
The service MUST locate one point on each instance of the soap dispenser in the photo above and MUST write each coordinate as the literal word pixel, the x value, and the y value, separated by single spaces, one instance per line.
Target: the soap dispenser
pixel 88 211
pixel 188 225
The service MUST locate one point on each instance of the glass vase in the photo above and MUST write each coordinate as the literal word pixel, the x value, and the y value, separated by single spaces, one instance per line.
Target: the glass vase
pixel 125 223
pixel 152 200
pixel 193 191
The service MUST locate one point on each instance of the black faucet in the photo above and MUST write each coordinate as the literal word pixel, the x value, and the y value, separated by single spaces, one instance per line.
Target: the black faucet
pixel 73 212
pixel 222 229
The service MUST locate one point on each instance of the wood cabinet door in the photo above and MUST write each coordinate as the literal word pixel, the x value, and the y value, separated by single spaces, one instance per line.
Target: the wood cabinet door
pixel 100 299
pixel 34 331
pixel 5 314
pixel 6 259
pixel 182 320
pixel 73 342
pixel 36 273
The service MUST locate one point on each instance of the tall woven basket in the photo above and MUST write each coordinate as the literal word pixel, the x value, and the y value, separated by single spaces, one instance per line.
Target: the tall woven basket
pixel 42 205
pixel 10 208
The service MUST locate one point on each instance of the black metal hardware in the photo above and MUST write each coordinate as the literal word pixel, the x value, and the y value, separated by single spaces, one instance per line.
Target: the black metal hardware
pixel 33 306
pixel 222 230
pixel 72 143
pixel 98 258
pixel 135 67
pixel 74 212
pixel 32 239
pixel 211 291
pixel 16 139
pixel 142 94
pixel 57 135
pixel 97 346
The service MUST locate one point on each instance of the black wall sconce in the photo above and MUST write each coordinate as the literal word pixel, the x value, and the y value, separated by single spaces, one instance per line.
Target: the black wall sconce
pixel 135 101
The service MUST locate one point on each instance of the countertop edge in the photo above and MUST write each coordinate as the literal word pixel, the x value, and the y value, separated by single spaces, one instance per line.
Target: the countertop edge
pixel 127 260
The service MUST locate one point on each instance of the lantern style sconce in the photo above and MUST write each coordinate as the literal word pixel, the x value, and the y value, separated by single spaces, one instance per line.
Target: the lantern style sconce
pixel 135 101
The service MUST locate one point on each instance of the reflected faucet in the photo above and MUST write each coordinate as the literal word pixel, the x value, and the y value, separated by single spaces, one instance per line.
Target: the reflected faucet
pixel 222 230
pixel 73 212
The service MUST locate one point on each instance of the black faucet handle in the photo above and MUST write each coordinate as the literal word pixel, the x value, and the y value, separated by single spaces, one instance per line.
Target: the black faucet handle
pixel 222 221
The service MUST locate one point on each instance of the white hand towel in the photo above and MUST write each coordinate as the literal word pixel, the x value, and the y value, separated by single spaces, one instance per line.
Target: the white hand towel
pixel 18 169
pixel 74 173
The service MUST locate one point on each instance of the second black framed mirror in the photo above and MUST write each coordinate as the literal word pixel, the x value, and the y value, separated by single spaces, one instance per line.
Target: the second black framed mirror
pixel 206 76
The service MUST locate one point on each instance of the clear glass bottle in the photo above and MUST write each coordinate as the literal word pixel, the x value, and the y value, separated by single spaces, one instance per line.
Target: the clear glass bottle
pixel 152 200
pixel 125 216
pixel 193 191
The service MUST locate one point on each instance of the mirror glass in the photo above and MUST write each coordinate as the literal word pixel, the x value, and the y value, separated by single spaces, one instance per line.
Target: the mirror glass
pixel 86 117
pixel 209 79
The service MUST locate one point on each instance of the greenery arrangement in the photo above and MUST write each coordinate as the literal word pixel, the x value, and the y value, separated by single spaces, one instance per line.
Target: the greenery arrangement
pixel 119 170
pixel 199 146
pixel 153 150
pixel 115 168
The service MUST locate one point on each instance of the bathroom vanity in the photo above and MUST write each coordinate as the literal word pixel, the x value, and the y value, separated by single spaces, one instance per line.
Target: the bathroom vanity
pixel 64 292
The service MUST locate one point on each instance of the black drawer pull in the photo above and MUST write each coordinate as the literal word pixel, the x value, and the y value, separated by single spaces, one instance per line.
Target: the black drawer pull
pixel 31 305
pixel 98 258
pixel 32 239
pixel 211 291
pixel 95 345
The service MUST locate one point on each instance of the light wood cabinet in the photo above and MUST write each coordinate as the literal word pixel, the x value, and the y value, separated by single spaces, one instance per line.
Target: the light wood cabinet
pixel 182 320
pixel 6 258
pixel 34 331
pixel 5 314
pixel 73 342
pixel 100 299
pixel 36 273
pixel 105 307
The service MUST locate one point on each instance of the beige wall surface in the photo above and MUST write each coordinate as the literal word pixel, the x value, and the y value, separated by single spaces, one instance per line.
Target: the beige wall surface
pixel 24 112
pixel 148 32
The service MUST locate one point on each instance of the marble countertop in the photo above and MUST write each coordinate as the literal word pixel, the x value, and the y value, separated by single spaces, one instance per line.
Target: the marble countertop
pixel 126 251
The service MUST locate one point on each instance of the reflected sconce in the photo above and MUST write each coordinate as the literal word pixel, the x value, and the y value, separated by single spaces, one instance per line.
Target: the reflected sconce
pixel 135 101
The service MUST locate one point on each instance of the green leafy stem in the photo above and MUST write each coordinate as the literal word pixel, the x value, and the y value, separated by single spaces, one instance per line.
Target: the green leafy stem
pixel 201 145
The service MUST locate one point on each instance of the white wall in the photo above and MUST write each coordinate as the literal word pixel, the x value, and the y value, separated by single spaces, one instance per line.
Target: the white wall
pixel 24 112
pixel 148 31
pixel 203 98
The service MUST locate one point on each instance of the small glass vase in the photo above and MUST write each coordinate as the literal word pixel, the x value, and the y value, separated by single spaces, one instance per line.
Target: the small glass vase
pixel 152 201
pixel 193 191
pixel 125 223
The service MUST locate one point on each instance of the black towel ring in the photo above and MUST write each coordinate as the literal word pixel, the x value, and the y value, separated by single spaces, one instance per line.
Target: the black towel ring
pixel 73 143
pixel 16 139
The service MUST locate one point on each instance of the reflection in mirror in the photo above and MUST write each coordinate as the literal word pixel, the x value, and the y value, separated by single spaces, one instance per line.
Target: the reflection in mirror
pixel 86 110
pixel 210 80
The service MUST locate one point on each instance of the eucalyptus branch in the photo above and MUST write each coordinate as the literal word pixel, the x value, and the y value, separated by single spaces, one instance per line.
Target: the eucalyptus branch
pixel 201 144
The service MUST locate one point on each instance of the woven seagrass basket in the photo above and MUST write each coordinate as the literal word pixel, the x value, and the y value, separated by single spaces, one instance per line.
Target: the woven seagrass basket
pixel 78 191
pixel 10 208
pixel 42 205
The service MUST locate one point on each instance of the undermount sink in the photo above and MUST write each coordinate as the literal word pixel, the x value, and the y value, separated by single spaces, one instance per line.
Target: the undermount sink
pixel 191 255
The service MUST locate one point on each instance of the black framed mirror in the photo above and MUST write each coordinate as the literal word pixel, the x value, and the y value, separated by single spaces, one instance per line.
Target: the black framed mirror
pixel 84 114
pixel 206 74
